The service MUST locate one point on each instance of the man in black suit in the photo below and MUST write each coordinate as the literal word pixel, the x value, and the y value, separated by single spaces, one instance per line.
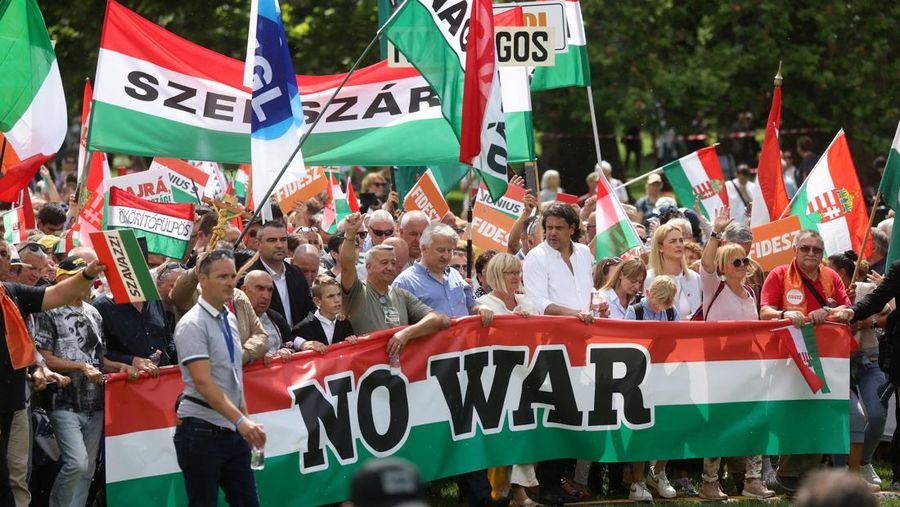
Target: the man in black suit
pixel 291 295
pixel 323 327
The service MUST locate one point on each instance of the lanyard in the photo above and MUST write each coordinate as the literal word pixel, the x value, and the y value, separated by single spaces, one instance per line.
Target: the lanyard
pixel 229 339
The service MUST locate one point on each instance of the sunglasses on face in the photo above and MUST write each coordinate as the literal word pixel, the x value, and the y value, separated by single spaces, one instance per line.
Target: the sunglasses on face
pixel 745 261
pixel 383 234
pixel 808 249
pixel 377 184
pixel 361 235
pixel 458 267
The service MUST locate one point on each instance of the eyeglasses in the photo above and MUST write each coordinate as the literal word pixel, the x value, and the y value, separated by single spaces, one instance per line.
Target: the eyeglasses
pixel 308 229
pixel 361 235
pixel 166 268
pixel 741 262
pixel 517 272
pixel 31 247
pixel 809 249
pixel 377 183
pixel 458 267
pixel 460 230
pixel 382 234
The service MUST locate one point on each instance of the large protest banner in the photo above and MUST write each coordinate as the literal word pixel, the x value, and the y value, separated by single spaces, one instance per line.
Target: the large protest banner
pixel 471 397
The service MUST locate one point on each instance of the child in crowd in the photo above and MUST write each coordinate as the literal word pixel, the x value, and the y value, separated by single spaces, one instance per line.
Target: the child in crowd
pixel 323 327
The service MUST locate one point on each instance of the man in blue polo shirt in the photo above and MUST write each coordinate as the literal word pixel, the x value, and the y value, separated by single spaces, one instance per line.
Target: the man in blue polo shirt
pixel 446 292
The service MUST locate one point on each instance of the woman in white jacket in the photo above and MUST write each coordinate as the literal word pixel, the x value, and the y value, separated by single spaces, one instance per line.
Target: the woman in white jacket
pixel 667 258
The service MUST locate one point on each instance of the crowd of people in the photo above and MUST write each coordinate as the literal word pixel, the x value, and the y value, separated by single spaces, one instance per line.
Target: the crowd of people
pixel 291 287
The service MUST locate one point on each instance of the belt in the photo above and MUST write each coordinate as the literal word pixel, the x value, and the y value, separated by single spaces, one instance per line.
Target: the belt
pixel 195 421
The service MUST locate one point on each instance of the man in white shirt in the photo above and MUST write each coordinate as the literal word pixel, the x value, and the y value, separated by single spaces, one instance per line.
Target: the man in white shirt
pixel 558 270
pixel 740 194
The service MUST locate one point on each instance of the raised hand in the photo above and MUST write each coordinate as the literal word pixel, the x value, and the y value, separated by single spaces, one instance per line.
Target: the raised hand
pixel 722 219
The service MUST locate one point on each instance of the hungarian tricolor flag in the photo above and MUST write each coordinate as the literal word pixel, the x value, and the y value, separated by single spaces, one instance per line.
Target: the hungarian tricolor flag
pixel 93 178
pixel 32 103
pixel 516 93
pixel 615 233
pixel 241 184
pixel 463 76
pixel 770 198
pixel 572 67
pixel 14 226
pixel 127 274
pixel 699 175
pixel 803 347
pixel 339 204
pixel 166 226
pixel 188 182
pixel 890 192
pixel 831 201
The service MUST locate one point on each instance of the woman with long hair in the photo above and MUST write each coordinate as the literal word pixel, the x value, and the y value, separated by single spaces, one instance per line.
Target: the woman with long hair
pixel 667 258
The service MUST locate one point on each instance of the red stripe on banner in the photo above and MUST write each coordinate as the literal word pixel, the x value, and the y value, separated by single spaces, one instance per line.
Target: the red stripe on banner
pixel 667 342
pixel 126 32
pixel 123 198
pixel 185 169
pixel 104 255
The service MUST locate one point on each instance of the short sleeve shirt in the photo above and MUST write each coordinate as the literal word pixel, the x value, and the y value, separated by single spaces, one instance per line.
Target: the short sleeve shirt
pixel 200 334
pixel 73 333
pixel 12 382
pixel 452 296
pixel 773 289
pixel 369 311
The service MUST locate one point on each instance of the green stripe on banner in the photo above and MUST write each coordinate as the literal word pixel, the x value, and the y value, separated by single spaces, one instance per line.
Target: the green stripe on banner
pixel 136 256
pixel 416 35
pixel 812 348
pixel 689 431
pixel 373 146
pixel 570 69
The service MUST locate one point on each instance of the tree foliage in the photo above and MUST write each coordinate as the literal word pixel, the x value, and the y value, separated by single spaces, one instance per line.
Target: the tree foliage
pixel 677 57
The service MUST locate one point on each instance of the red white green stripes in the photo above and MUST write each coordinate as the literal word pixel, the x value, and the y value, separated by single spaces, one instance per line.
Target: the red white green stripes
pixel 126 269
pixel 167 227
pixel 803 346
pixel 831 201
pixel 727 379
pixel 615 233
pixel 14 226
pixel 699 175
pixel 572 66
pixel 32 103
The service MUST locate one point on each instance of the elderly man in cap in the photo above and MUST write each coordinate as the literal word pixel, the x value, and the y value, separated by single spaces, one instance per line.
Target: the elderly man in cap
pixel 70 339
pixel 646 204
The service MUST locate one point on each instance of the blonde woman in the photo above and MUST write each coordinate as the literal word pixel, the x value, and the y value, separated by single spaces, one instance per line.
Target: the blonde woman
pixel 726 296
pixel 667 257
pixel 504 276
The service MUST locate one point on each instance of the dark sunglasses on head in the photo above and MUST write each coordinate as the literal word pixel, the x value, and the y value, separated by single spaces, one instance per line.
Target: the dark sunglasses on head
pixel 745 261
pixel 308 229
pixel 382 234
pixel 458 267
pixel 815 250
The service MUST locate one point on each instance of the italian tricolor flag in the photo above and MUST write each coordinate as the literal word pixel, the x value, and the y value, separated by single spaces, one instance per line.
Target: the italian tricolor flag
pixel 615 233
pixel 803 347
pixel 167 227
pixel 572 67
pixel 431 35
pixel 127 273
pixel 14 226
pixel 32 103
pixel 890 192
pixel 699 175
pixel 831 201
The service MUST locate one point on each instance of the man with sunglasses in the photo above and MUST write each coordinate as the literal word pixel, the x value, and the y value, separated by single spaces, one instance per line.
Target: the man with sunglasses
pixel 803 290
pixel 381 227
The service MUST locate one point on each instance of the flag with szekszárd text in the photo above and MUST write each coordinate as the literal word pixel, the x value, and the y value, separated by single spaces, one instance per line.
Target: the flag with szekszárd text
pixel 890 193
pixel 14 227
pixel 572 66
pixel 831 202
pixel 127 274
pixel 382 116
pixel 699 175
pixel 435 37
pixel 533 389
pixel 803 346
pixel 32 103
pixel 615 232
pixel 166 226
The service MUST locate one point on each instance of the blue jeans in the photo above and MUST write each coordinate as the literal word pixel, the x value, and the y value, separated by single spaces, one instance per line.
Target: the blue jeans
pixel 78 435
pixel 211 457
pixel 868 377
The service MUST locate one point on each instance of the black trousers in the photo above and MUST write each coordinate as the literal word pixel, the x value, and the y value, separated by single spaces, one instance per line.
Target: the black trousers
pixel 6 496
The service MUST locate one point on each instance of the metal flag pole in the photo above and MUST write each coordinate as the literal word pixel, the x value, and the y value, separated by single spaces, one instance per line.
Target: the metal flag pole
pixel 862 248
pixel 265 199
pixel 590 95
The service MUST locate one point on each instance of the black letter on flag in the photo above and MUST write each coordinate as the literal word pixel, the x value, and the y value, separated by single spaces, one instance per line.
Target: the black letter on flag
pixel 628 385
pixel 315 407
pixel 142 80
pixel 399 410
pixel 554 364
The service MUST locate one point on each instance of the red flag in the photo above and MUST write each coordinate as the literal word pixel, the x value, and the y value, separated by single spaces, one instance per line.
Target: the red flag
pixel 351 197
pixel 770 179
pixel 480 73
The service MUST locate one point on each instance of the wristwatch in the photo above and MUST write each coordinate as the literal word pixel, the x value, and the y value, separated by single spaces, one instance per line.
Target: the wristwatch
pixel 715 235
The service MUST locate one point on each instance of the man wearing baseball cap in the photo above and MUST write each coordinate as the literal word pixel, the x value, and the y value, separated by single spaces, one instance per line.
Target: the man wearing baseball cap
pixel 387 482
pixel 646 204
